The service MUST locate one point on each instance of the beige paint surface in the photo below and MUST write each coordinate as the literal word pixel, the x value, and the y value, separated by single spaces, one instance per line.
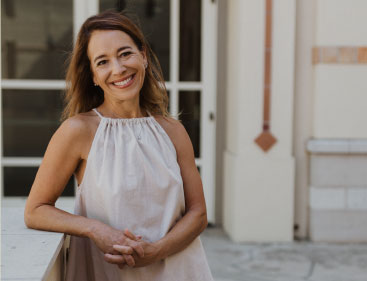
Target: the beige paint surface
pixel 340 98
pixel 258 187
pixel 341 22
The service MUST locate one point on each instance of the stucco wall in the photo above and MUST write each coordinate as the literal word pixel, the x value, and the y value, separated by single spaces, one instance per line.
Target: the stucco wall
pixel 340 89
pixel 258 186
pixel 341 22
pixel 340 101
pixel 338 185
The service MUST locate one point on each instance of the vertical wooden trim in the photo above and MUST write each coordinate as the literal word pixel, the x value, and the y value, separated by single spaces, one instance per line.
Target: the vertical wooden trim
pixel 266 140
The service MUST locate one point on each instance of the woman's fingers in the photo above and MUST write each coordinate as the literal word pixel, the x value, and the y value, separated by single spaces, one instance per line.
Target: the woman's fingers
pixel 129 260
pixel 116 259
pixel 136 246
pixel 123 249
pixel 128 250
pixel 129 234
pixel 120 259
pixel 132 241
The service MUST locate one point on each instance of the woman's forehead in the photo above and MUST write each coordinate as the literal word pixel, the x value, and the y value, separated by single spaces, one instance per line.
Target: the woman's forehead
pixel 107 40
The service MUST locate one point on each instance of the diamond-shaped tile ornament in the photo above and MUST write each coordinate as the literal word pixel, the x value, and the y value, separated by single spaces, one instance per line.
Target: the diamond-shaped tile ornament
pixel 266 140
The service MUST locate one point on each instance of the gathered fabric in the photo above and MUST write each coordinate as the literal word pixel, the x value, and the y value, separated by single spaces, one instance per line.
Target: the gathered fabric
pixel 132 180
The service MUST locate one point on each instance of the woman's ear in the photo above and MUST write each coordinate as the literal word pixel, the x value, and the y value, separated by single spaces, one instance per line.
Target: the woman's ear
pixel 95 82
pixel 144 54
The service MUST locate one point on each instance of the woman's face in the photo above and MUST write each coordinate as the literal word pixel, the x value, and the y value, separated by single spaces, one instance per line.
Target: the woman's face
pixel 117 65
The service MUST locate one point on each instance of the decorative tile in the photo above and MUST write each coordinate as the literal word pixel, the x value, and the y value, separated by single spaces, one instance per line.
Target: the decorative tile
pixel 362 54
pixel 339 54
pixel 329 54
pixel 316 55
pixel 266 140
pixel 347 55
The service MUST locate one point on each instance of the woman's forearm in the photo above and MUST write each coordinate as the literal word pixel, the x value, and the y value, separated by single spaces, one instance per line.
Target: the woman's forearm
pixel 183 233
pixel 49 218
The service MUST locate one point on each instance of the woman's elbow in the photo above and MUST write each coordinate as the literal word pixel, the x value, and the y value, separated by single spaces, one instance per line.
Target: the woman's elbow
pixel 29 216
pixel 203 220
pixel 27 219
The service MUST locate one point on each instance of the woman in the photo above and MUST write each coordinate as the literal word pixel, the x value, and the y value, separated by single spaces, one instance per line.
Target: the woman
pixel 139 204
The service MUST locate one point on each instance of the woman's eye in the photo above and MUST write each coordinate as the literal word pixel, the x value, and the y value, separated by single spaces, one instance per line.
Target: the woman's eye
pixel 125 54
pixel 101 62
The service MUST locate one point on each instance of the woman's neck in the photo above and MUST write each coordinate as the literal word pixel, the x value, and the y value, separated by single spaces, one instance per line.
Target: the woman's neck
pixel 124 109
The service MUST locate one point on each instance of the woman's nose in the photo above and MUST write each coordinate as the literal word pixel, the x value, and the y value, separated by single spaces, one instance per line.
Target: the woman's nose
pixel 118 67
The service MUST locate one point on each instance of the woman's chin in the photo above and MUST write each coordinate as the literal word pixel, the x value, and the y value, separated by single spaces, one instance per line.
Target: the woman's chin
pixel 125 96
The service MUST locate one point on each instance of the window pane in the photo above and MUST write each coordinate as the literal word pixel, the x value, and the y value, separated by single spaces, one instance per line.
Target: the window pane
pixel 190 40
pixel 154 19
pixel 30 117
pixel 189 107
pixel 35 37
pixel 18 181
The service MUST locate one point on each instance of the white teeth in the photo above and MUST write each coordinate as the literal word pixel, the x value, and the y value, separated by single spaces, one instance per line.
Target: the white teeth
pixel 124 82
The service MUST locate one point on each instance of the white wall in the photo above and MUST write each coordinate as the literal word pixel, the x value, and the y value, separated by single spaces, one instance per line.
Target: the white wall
pixel 340 89
pixel 341 22
pixel 338 185
pixel 340 101
pixel 259 186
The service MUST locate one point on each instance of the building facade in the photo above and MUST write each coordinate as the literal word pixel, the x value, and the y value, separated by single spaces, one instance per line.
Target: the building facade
pixel 272 93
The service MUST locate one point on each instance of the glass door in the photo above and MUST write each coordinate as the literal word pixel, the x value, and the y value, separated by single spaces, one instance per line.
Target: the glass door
pixel 36 38
pixel 183 35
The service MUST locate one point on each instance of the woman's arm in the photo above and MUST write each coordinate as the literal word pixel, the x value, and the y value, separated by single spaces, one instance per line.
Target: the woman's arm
pixel 61 159
pixel 194 221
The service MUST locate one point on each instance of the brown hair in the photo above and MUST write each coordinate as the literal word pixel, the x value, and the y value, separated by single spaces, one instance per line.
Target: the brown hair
pixel 81 94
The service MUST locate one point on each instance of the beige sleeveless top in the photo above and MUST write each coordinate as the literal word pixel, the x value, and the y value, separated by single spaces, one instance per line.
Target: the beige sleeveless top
pixel 132 180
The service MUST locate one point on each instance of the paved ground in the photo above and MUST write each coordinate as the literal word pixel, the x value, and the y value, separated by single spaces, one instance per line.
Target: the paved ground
pixel 296 261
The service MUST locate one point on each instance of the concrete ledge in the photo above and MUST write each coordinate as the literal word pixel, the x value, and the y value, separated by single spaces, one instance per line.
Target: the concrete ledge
pixel 337 146
pixel 29 254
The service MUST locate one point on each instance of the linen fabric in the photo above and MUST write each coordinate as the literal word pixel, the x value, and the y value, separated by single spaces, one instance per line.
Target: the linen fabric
pixel 132 180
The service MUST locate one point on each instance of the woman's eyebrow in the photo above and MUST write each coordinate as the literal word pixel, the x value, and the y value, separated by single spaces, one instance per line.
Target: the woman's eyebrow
pixel 118 50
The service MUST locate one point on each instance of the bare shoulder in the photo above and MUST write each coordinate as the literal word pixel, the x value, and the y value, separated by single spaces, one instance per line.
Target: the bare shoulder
pixel 173 127
pixel 77 130
pixel 176 131
pixel 80 125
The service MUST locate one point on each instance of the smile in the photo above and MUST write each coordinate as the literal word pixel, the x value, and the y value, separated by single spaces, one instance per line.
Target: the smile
pixel 124 83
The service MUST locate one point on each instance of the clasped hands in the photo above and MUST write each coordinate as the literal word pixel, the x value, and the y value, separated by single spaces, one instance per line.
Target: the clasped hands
pixel 124 248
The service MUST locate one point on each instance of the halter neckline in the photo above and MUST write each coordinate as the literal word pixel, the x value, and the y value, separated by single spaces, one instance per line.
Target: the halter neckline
pixel 124 119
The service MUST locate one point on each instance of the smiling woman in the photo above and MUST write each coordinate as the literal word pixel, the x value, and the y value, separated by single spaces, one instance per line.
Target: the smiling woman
pixel 85 91
pixel 139 206
pixel 117 64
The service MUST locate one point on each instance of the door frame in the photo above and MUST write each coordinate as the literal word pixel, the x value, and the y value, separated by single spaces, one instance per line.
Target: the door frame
pixel 82 9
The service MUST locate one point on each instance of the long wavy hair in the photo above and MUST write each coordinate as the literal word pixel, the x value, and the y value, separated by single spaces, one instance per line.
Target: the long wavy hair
pixel 81 95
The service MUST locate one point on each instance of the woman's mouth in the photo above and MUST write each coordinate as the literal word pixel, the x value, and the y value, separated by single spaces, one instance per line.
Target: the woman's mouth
pixel 124 83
